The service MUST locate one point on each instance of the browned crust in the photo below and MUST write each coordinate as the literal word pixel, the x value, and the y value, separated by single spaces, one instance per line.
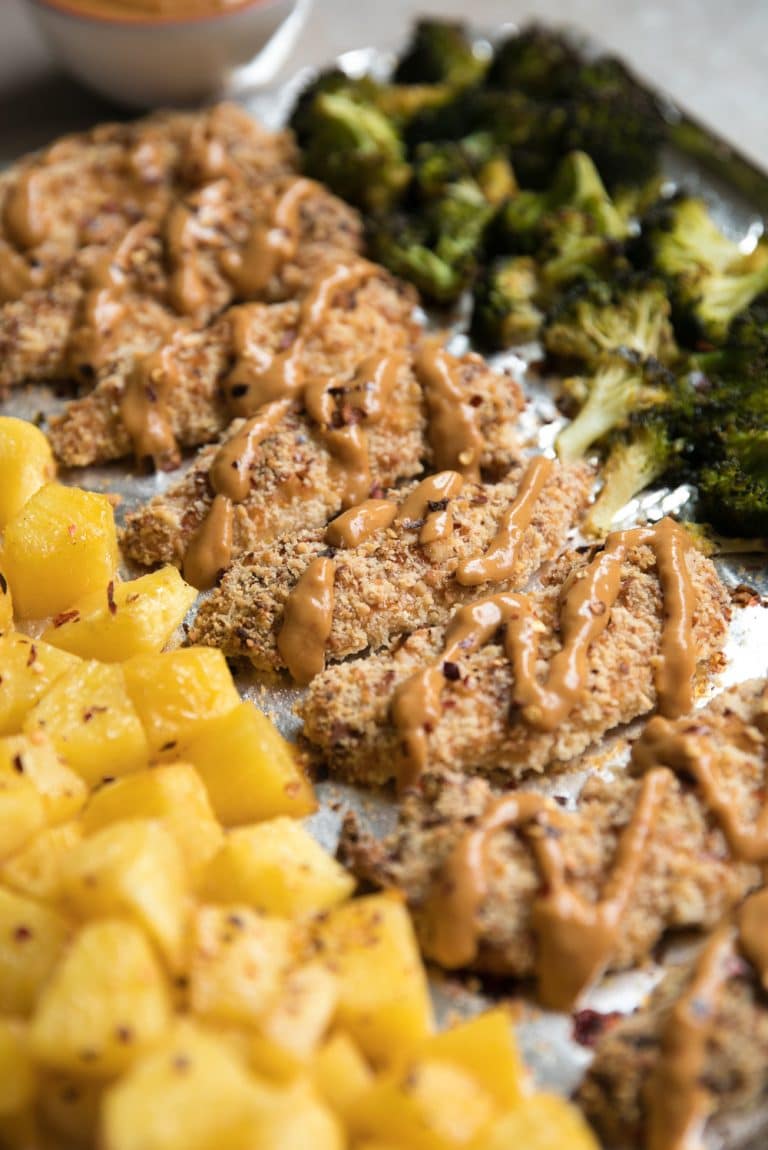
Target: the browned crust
pixel 347 710
pixel 390 584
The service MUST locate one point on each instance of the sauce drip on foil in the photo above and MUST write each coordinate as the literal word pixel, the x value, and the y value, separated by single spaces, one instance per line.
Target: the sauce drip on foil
pixel 584 613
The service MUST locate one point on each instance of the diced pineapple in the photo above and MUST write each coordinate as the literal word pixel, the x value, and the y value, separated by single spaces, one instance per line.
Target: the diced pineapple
pixel 485 1046
pixel 384 998
pixel 21 812
pixel 92 723
pixel 32 937
pixel 237 963
pixel 70 1108
pixel 105 1004
pixel 190 1094
pixel 340 1073
pixel 6 601
pixel 276 867
pixel 251 772
pixel 297 1119
pixel 177 692
pixel 26 464
pixel 290 1032
pixel 434 1106
pixel 541 1122
pixel 36 870
pixel 134 618
pixel 63 793
pixel 177 795
pixel 28 667
pixel 132 868
pixel 58 548
pixel 18 1079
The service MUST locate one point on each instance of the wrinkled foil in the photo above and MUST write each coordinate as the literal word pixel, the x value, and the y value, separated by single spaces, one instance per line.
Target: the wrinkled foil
pixel 557 1061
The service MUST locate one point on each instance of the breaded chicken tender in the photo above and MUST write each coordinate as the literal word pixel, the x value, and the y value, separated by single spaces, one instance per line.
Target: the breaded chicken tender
pixel 483 721
pixel 391 582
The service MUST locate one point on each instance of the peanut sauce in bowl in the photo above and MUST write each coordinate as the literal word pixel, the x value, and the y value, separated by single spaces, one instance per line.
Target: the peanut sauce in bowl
pixel 144 53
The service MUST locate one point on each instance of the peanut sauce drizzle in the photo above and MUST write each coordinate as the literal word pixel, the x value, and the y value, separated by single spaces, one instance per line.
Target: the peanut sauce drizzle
pixel 359 523
pixel 364 399
pixel 25 213
pixel 210 550
pixel 498 561
pixel 145 407
pixel 269 246
pixel 307 620
pixel 575 937
pixel 187 288
pixel 585 609
pixel 662 743
pixel 429 505
pixel 678 1104
pixel 454 434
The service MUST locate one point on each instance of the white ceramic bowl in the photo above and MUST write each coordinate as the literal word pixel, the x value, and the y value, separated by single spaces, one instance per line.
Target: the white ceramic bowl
pixel 176 61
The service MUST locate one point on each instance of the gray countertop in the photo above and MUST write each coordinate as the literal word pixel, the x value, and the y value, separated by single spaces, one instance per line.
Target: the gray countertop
pixel 712 57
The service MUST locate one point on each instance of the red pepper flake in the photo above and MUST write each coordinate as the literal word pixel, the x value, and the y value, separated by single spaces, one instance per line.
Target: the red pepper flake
pixel 3 584
pixel 66 617
pixel 32 655
pixel 111 597
pixel 18 764
pixel 71 530
pixel 22 934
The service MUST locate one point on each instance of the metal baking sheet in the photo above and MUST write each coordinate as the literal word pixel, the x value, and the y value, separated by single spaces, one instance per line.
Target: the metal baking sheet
pixel 737 193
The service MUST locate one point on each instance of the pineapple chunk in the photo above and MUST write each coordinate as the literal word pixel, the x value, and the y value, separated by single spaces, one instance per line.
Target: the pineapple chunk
pixel 70 1108
pixel 131 868
pixel 26 464
pixel 135 618
pixel 191 1094
pixel 341 1074
pixel 63 793
pixel 297 1119
pixel 18 1079
pixel 176 794
pixel 28 667
pixel 36 870
pixel 6 602
pixel 90 720
pixel 58 548
pixel 384 998
pixel 276 867
pixel 291 1031
pixel 237 963
pixel 22 812
pixel 105 1004
pixel 485 1046
pixel 32 937
pixel 176 693
pixel 251 772
pixel 434 1106
pixel 541 1122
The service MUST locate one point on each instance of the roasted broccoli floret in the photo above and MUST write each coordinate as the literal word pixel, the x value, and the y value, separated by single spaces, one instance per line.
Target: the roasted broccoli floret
pixel 710 279
pixel 619 385
pixel 355 149
pixel 505 309
pixel 437 166
pixel 629 314
pixel 538 61
pixel 437 250
pixel 441 52
pixel 636 458
pixel 734 499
